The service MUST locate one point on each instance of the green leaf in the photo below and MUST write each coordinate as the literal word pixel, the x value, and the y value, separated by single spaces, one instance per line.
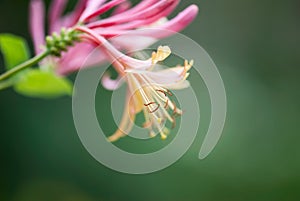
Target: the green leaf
pixel 43 84
pixel 14 50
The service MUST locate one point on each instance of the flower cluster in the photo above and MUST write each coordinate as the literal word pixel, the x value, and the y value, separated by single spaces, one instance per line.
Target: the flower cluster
pixel 148 84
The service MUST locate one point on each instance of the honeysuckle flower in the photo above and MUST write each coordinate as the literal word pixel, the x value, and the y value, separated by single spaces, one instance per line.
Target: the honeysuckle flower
pixel 124 18
pixel 148 87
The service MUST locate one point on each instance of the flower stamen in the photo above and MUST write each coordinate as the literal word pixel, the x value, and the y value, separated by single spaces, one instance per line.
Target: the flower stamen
pixel 151 103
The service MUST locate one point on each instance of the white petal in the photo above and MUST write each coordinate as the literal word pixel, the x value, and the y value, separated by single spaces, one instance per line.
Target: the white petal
pixel 166 76
pixel 138 42
pixel 179 85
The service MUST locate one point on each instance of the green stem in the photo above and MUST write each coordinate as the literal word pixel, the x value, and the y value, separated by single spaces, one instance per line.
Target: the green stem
pixel 5 84
pixel 24 65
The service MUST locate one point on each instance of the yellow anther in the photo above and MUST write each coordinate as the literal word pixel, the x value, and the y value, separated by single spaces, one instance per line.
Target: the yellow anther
pixel 166 131
pixel 163 136
pixel 159 120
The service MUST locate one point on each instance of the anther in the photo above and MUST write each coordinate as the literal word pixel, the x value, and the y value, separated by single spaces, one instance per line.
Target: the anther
pixel 151 104
pixel 163 136
pixel 165 92
pixel 167 103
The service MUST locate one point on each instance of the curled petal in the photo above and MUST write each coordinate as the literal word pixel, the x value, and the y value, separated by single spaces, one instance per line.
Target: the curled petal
pixel 134 24
pixel 146 13
pixel 146 21
pixel 172 26
pixel 182 20
pixel 163 14
pixel 109 83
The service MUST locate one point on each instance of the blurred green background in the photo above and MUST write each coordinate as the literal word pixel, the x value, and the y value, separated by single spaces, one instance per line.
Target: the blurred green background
pixel 255 45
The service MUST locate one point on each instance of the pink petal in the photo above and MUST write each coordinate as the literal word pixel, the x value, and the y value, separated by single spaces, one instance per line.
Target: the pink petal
pixel 72 18
pixel 178 23
pixel 138 23
pixel 113 52
pixel 182 20
pixel 140 6
pixel 122 8
pixel 55 12
pixel 102 9
pixel 37 14
pixel 174 25
pixel 83 55
pixel 146 13
pixel 91 6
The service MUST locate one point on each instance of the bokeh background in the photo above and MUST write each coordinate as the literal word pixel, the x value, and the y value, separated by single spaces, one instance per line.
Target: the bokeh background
pixel 255 45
